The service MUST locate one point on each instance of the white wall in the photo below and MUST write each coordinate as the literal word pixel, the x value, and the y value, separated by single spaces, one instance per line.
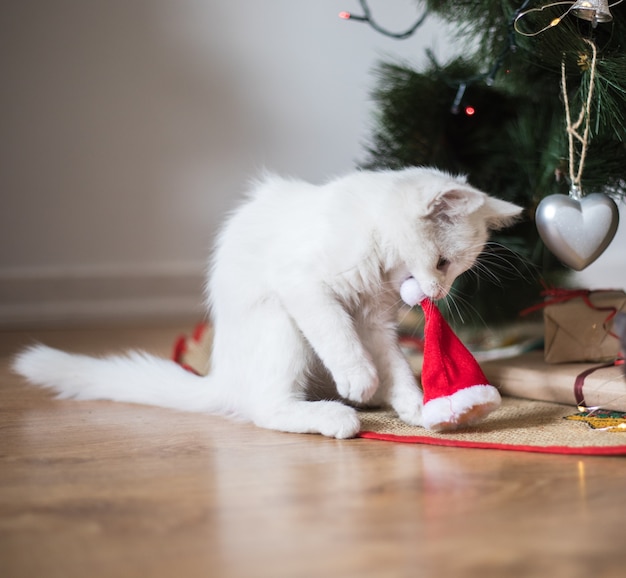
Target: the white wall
pixel 130 126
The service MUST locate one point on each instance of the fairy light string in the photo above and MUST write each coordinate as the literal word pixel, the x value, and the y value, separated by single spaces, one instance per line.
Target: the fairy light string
pixel 367 17
pixel 573 133
pixel 573 6
pixel 461 84
pixel 510 46
pixel 554 22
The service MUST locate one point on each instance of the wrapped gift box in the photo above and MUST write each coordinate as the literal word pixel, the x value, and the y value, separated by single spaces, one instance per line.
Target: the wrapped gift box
pixel 579 329
pixel 529 376
pixel 194 352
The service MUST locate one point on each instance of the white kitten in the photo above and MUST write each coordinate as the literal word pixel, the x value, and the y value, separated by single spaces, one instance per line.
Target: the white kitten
pixel 304 293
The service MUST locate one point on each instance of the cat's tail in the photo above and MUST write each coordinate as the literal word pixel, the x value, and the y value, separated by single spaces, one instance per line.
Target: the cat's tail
pixel 136 377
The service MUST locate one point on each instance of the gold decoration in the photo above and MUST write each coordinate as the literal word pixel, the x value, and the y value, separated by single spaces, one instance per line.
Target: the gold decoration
pixel 601 420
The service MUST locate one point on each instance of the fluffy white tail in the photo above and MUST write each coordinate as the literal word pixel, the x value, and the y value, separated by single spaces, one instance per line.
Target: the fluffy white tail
pixel 136 377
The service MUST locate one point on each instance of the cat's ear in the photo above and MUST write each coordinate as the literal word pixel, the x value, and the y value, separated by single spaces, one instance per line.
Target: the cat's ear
pixel 500 214
pixel 455 202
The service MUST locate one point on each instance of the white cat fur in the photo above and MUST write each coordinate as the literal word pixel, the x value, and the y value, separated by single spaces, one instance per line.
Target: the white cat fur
pixel 304 285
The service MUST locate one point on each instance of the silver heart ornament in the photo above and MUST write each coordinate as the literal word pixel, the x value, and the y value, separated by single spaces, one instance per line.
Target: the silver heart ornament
pixel 577 231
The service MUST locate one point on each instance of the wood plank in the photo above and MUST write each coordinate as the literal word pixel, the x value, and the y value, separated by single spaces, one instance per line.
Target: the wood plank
pixel 103 489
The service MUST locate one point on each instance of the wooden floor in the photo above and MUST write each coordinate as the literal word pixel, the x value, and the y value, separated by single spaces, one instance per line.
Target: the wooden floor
pixel 97 489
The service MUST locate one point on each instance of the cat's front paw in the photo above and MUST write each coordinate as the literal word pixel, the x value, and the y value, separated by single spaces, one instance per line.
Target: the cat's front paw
pixel 359 384
pixel 411 415
pixel 340 422
pixel 407 400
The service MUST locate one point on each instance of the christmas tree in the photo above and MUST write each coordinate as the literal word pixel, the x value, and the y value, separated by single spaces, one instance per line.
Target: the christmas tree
pixel 497 113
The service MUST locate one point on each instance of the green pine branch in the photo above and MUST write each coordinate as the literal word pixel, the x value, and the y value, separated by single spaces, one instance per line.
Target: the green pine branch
pixel 514 145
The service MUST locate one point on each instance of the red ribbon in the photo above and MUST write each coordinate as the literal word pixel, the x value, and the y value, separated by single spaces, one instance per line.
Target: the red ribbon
pixel 555 295
pixel 580 381
pixel 412 342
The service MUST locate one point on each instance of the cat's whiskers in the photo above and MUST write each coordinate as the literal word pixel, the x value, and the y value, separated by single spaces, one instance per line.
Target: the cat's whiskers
pixel 482 271
pixel 460 302
pixel 406 311
pixel 396 304
pixel 503 255
pixel 497 262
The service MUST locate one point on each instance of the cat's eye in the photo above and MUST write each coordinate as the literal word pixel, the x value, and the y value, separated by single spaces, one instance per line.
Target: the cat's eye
pixel 442 264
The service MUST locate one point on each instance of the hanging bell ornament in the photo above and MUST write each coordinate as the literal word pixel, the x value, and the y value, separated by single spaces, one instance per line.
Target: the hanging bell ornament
pixel 593 10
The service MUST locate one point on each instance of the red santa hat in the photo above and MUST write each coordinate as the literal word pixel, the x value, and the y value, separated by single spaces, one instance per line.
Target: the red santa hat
pixel 456 391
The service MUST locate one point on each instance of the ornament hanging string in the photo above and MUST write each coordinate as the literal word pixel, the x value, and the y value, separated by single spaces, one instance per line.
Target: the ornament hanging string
pixel 573 128
pixel 565 235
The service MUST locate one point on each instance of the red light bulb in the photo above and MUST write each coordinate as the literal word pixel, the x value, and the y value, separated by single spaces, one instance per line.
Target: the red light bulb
pixel 344 15
pixel 470 111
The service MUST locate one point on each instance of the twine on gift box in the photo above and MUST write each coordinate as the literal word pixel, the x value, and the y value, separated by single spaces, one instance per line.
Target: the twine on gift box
pixel 554 295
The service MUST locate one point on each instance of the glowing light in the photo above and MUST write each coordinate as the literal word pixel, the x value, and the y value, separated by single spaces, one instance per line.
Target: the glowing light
pixel 345 15
pixel 470 111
